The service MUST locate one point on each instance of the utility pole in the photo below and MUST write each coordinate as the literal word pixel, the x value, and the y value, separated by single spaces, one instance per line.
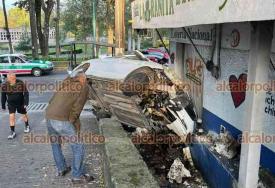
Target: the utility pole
pixel 94 20
pixel 94 27
pixel 7 26
pixel 57 35
pixel 120 26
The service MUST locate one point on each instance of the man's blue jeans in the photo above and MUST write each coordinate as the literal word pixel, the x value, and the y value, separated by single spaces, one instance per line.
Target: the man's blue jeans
pixel 66 131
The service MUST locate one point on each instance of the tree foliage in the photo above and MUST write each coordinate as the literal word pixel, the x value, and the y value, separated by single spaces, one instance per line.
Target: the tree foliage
pixel 77 16
pixel 43 11
pixel 16 17
pixel 24 44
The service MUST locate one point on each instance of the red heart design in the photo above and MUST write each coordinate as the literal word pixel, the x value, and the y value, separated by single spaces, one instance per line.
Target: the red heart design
pixel 238 89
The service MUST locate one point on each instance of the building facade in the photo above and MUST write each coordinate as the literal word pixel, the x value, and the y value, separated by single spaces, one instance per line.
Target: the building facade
pixel 217 103
pixel 244 52
pixel 18 33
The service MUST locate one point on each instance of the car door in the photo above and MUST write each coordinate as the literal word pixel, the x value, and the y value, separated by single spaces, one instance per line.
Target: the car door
pixel 19 65
pixel 4 64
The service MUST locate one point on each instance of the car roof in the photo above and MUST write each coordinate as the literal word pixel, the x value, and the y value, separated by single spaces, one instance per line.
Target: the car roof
pixel 117 67
pixel 4 55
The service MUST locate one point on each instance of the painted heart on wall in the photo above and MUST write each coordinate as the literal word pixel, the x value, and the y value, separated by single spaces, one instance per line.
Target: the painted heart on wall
pixel 238 89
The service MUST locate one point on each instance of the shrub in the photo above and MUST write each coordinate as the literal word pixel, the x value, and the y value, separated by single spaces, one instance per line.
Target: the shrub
pixel 24 44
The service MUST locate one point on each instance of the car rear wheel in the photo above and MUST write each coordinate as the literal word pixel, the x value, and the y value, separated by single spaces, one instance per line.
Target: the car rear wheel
pixel 102 114
pixel 37 72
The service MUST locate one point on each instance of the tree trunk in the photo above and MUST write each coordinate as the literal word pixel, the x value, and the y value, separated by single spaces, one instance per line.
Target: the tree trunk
pixel 33 29
pixel 57 34
pixel 97 38
pixel 110 38
pixel 7 27
pixel 46 31
pixel 38 7
pixel 43 33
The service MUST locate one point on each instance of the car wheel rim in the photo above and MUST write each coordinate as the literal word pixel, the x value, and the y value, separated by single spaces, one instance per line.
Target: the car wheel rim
pixel 36 73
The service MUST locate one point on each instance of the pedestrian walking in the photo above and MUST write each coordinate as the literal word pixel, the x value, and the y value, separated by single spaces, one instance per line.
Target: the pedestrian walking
pixel 62 116
pixel 14 93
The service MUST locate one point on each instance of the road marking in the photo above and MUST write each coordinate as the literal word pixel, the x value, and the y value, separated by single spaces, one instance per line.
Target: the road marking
pixel 37 107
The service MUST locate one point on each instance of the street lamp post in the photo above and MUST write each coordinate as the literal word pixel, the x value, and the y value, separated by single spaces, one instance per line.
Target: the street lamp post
pixel 120 26
pixel 94 26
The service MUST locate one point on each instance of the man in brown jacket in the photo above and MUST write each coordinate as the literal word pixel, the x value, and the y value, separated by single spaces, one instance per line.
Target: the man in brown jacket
pixel 62 116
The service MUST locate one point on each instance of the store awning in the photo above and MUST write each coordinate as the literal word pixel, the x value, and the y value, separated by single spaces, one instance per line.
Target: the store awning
pixel 181 13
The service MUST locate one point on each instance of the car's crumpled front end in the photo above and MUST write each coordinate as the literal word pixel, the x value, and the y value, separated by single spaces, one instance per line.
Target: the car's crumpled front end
pixel 147 98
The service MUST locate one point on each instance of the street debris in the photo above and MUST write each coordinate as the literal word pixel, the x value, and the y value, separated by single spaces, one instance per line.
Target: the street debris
pixel 226 145
pixel 261 185
pixel 166 114
pixel 140 131
pixel 178 171
pixel 187 156
pixel 160 158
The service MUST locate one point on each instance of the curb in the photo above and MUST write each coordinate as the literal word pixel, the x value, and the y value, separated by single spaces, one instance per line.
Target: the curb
pixel 123 165
pixel 60 68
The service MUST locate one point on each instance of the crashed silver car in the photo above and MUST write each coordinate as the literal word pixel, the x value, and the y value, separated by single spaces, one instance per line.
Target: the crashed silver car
pixel 140 93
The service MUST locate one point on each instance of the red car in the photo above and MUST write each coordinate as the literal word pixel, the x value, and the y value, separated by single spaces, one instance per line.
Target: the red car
pixel 157 55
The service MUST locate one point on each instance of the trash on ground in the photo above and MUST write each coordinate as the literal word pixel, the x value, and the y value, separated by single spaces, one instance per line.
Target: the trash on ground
pixel 226 145
pixel 187 156
pixel 178 171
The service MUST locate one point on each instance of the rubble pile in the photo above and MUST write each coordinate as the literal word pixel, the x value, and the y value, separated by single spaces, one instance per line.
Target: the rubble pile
pixel 166 114
pixel 177 172
pixel 172 166
pixel 225 145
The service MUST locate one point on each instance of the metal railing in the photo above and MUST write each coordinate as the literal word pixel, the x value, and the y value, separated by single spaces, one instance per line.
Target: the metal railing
pixel 95 45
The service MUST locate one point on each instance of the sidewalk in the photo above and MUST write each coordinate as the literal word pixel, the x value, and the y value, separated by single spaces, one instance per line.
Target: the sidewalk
pixel 32 165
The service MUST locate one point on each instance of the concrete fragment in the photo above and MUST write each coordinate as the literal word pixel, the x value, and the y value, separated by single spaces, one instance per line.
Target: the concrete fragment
pixel 187 155
pixel 178 171
pixel 226 145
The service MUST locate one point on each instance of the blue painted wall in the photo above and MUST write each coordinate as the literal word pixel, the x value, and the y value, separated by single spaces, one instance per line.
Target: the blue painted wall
pixel 215 173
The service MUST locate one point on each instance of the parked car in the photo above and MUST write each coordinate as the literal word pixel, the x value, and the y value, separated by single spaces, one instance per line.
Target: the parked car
pixel 134 89
pixel 157 55
pixel 20 64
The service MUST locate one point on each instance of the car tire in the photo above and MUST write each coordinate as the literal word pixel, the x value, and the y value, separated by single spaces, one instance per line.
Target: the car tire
pixel 103 115
pixel 36 72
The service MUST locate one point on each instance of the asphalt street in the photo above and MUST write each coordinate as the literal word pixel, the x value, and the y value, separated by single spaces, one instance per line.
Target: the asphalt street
pixel 27 163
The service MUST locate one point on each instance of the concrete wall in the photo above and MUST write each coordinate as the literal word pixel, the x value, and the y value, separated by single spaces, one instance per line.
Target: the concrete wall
pixel 220 105
pixel 217 98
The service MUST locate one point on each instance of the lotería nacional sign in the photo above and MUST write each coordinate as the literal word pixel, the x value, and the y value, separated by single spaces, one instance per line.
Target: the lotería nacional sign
pixel 181 13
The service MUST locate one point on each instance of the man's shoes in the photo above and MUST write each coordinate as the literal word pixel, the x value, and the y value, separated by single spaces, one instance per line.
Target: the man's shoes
pixel 27 129
pixel 63 173
pixel 86 178
pixel 12 135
